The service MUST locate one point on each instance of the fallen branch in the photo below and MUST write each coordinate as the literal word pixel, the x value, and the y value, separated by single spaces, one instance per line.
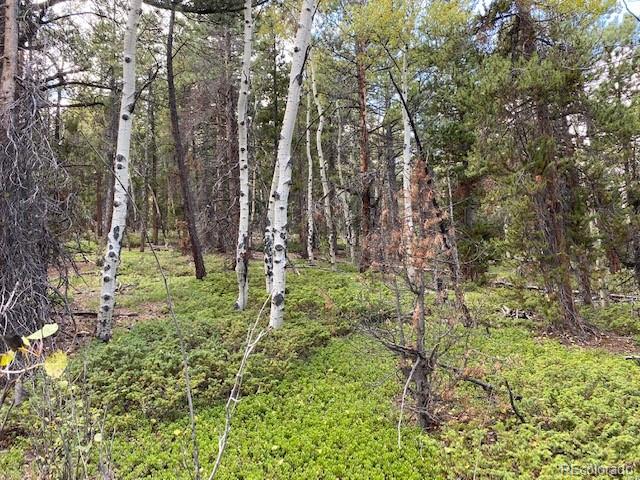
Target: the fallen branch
pixel 633 358
pixel 487 387
pixel 93 314
pixel 513 403
pixel 614 296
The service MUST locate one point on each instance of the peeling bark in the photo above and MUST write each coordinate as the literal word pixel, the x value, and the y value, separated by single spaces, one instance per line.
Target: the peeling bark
pixel 300 51
pixel 121 196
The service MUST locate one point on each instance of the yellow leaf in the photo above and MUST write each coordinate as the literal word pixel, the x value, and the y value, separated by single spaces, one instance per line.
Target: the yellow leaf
pixel 6 358
pixel 46 331
pixel 55 364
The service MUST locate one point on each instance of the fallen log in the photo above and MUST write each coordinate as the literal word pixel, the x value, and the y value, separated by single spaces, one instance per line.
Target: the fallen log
pixel 618 297
pixel 93 314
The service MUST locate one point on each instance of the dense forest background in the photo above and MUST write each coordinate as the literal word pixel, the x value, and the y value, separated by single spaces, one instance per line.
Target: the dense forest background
pixel 432 207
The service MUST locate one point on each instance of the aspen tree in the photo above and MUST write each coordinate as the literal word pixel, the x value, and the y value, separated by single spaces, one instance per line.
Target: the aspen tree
pixel 242 250
pixel 284 165
pixel 121 190
pixel 324 180
pixel 310 226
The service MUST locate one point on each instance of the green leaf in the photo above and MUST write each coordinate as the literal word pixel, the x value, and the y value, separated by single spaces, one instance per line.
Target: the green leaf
pixel 55 364
pixel 46 331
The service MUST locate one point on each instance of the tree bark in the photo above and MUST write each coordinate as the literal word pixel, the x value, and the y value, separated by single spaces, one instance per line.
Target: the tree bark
pixel 154 169
pixel 99 201
pixel 310 226
pixel 144 198
pixel 300 52
pixel 344 194
pixel 324 179
pixel 268 231
pixel 121 191
pixel 365 228
pixel 242 250
pixel 407 207
pixel 9 58
pixel 109 153
pixel 187 197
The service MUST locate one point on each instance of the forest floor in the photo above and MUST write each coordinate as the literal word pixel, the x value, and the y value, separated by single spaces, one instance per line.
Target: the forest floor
pixel 320 397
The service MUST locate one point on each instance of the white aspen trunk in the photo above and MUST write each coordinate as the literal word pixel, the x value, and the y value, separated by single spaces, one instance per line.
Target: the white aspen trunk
pixel 268 231
pixel 406 178
pixel 242 250
pixel 252 210
pixel 10 57
pixel 121 195
pixel 310 228
pixel 299 56
pixel 344 195
pixel 324 179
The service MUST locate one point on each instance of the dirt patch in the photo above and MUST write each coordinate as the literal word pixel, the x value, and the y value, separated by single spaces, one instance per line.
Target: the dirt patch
pixel 78 329
pixel 611 342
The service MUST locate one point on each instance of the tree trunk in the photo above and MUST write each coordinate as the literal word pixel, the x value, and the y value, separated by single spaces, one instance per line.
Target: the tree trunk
pixel 344 194
pixel 230 121
pixel 99 201
pixel 299 56
pixel 390 163
pixel 407 207
pixel 154 169
pixel 9 58
pixel 456 270
pixel 326 189
pixel 144 198
pixel 242 250
pixel 365 259
pixel 268 231
pixel 187 197
pixel 109 153
pixel 310 226
pixel 121 196
pixel 632 188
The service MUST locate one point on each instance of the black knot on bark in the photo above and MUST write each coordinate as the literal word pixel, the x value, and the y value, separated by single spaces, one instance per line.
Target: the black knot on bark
pixel 278 299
